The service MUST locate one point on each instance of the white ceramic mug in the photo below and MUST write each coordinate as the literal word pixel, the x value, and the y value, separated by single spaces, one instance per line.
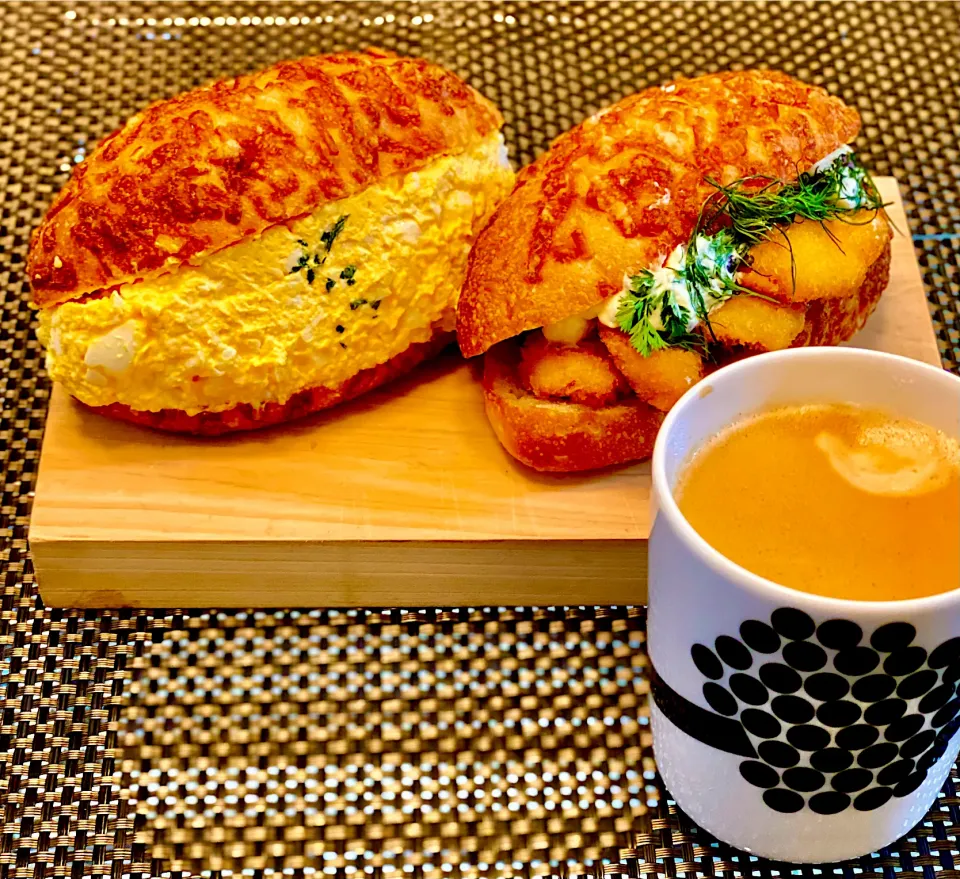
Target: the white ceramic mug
pixel 749 747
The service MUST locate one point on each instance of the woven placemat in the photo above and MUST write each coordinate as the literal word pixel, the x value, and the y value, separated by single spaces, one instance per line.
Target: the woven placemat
pixel 481 742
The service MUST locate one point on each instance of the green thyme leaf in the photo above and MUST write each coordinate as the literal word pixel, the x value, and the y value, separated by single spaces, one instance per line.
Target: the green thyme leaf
pixel 328 237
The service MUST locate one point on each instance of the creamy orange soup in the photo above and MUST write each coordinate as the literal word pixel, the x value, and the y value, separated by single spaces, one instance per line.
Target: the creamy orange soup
pixel 832 499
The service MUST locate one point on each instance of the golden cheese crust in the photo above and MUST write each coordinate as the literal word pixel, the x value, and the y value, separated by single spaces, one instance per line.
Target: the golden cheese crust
pixel 200 171
pixel 245 417
pixel 626 186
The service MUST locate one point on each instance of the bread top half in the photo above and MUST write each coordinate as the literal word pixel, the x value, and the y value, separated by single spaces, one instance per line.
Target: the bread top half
pixel 198 172
pixel 622 189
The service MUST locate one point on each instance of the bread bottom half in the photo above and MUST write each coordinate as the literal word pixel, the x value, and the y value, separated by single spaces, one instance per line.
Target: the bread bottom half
pixel 248 417
pixel 557 435
pixel 561 436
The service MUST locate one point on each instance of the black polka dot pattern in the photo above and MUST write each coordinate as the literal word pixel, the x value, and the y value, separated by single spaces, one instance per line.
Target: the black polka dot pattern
pixel 872 799
pixel 946 654
pixel 917 684
pixel 800 778
pixel 831 759
pixel 873 688
pixel 759 636
pixel 780 678
pixel 748 689
pixel 905 661
pixel 909 784
pixel 706 662
pixel 839 634
pixel 803 656
pixel 904 728
pixel 719 699
pixel 856 661
pixel 877 755
pixel 759 774
pixel 826 686
pixel 892 637
pixel 778 754
pixel 841 714
pixel 885 712
pixel 947 713
pixel 894 773
pixel 792 623
pixel 853 738
pixel 936 699
pixel 760 723
pixel 808 738
pixel 851 780
pixel 918 744
pixel 733 653
pixel 840 718
pixel 829 802
pixel 783 800
pixel 793 709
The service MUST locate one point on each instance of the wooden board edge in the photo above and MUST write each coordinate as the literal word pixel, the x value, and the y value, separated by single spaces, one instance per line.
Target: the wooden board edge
pixel 359 574
pixel 904 257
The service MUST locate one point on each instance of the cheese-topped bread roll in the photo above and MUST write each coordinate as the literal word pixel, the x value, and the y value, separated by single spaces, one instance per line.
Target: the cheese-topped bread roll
pixel 266 246
pixel 683 227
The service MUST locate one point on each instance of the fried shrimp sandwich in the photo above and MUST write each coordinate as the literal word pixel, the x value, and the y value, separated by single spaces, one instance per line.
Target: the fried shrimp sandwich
pixel 683 227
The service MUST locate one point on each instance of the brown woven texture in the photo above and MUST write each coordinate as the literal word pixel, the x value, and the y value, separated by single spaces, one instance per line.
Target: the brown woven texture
pixel 484 742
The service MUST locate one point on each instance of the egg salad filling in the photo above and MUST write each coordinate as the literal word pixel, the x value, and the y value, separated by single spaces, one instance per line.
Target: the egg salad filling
pixel 303 305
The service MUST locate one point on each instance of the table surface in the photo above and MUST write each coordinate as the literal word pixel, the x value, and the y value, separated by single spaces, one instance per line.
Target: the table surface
pixel 475 742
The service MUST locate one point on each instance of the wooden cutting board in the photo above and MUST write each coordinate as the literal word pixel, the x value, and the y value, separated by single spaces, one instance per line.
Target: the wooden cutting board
pixel 404 497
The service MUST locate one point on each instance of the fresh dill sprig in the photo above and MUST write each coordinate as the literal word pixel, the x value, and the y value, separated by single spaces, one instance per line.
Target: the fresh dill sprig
pixel 734 219
pixel 651 299
pixel 753 206
pixel 651 312
pixel 636 310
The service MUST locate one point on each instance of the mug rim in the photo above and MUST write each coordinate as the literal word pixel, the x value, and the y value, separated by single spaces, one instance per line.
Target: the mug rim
pixel 730 570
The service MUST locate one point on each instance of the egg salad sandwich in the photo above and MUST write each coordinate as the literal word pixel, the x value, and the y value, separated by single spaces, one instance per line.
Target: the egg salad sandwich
pixel 267 246
pixel 682 228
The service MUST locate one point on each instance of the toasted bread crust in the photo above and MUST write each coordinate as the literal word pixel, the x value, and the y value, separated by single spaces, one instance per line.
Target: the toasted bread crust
pixel 627 185
pixel 246 417
pixel 198 172
pixel 561 436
